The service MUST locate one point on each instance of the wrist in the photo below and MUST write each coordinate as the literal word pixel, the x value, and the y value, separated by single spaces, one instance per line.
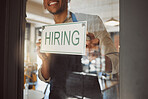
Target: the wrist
pixel 45 61
pixel 45 68
pixel 45 58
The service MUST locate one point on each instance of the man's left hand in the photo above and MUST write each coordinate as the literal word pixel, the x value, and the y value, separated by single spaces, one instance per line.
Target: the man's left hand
pixel 92 42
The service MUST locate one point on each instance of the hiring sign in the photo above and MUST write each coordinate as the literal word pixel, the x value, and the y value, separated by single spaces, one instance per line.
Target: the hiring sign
pixel 66 38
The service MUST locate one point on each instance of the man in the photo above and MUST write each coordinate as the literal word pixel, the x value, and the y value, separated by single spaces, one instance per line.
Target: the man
pixel 56 67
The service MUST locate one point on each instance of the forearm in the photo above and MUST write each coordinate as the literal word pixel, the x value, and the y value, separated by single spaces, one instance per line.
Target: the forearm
pixel 112 57
pixel 45 69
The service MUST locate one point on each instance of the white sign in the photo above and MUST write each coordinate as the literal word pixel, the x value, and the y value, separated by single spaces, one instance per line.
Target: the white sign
pixel 66 38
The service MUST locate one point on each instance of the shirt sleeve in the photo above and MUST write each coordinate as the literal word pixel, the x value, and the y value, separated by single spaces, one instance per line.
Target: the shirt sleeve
pixel 115 62
pixel 41 77
pixel 96 26
pixel 106 44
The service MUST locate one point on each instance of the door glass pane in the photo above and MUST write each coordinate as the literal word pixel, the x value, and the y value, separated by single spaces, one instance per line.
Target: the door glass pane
pixel 66 76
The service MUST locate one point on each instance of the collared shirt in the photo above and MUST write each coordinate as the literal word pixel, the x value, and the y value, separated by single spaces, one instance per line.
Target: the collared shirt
pixel 96 26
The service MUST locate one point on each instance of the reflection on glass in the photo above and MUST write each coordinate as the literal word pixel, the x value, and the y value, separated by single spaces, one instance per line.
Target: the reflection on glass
pixel 94 60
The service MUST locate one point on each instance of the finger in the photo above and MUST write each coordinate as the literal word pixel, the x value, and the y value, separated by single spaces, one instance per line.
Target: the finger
pixel 41 55
pixel 38 44
pixel 39 40
pixel 87 42
pixel 87 33
pixel 95 41
pixel 92 46
pixel 38 49
pixel 91 36
pixel 47 54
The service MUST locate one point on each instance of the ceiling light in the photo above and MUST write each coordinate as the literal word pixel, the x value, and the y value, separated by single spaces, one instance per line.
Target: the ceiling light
pixel 112 22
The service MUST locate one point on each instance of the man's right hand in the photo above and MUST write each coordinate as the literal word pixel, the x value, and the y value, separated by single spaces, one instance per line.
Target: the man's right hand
pixel 43 56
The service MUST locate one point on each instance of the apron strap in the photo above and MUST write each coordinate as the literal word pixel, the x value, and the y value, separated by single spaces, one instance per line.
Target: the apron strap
pixel 74 19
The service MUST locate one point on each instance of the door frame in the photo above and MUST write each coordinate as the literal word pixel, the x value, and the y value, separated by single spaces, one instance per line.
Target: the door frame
pixel 13 48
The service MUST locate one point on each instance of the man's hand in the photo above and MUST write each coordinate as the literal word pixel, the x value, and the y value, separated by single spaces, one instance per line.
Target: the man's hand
pixel 43 56
pixel 91 45
pixel 92 42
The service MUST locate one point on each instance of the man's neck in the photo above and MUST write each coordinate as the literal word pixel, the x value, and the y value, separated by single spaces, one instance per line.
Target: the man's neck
pixel 60 18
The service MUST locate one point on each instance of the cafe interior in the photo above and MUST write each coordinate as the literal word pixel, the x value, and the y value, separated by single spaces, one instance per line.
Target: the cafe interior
pixel 37 16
